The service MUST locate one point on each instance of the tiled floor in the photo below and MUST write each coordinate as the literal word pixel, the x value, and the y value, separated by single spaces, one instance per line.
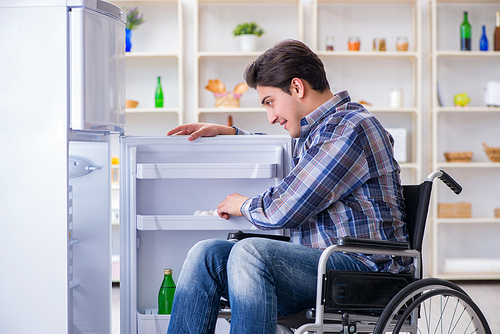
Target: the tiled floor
pixel 485 294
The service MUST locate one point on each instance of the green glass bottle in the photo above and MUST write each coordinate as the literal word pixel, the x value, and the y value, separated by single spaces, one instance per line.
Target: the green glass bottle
pixel 166 293
pixel 465 32
pixel 159 95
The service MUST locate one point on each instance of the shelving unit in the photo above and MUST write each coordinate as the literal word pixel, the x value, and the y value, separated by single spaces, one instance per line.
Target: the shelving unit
pixel 157 50
pixel 340 19
pixel 464 248
pixel 217 54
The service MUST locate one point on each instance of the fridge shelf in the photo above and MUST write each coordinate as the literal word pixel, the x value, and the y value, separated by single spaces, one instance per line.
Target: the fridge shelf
pixel 206 170
pixel 191 222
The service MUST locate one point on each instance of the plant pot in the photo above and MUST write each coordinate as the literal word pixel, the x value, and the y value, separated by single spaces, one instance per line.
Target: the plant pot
pixel 248 43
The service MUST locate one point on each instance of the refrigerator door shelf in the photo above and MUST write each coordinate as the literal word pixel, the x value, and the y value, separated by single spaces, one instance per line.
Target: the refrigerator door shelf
pixel 191 222
pixel 207 170
pixel 149 321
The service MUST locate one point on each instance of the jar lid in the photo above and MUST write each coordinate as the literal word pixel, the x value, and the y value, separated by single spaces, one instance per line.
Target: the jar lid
pixel 167 271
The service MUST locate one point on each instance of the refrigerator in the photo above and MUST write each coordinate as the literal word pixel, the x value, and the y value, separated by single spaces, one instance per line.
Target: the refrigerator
pixel 165 182
pixel 62 96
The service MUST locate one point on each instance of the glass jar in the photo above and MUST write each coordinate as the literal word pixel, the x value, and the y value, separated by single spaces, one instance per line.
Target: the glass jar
pixel 379 44
pixel 402 43
pixel 329 43
pixel 354 43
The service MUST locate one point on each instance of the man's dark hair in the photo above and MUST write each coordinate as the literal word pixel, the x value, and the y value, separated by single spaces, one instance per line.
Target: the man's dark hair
pixel 284 61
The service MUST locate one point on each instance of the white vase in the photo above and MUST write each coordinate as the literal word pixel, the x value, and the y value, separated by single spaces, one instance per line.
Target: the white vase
pixel 248 43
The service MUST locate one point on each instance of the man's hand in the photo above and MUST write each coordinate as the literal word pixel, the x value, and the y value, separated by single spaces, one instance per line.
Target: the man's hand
pixel 196 130
pixel 231 206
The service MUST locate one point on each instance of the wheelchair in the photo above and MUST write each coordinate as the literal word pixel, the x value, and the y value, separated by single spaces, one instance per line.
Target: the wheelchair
pixel 380 303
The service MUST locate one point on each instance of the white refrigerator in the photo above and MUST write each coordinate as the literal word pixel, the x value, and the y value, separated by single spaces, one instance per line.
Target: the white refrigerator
pixel 62 93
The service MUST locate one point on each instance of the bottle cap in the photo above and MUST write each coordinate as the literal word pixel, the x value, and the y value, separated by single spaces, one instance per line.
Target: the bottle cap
pixel 167 271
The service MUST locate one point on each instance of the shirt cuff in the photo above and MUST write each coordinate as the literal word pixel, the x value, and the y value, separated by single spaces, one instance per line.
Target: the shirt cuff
pixel 245 209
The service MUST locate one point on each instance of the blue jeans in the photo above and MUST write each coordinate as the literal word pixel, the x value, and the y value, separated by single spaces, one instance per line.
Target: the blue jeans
pixel 262 279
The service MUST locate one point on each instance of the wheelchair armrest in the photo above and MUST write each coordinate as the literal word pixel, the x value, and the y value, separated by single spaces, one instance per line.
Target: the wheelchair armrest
pixel 372 244
pixel 239 235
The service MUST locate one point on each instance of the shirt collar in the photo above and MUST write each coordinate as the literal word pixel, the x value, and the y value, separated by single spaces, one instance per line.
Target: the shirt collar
pixel 307 122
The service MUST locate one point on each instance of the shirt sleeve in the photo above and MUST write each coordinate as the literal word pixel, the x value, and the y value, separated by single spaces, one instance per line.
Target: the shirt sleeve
pixel 327 172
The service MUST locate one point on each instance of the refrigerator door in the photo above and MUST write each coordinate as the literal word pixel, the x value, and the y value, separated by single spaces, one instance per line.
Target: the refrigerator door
pixel 97 67
pixel 89 244
pixel 164 182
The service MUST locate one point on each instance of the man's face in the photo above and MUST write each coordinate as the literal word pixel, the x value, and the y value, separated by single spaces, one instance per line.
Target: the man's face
pixel 282 108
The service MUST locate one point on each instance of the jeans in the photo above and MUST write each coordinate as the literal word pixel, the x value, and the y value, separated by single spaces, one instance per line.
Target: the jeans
pixel 262 279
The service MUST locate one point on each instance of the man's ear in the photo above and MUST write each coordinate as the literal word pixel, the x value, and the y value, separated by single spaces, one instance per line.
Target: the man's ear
pixel 297 87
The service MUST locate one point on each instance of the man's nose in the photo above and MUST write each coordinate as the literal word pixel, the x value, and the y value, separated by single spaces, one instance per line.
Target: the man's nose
pixel 271 117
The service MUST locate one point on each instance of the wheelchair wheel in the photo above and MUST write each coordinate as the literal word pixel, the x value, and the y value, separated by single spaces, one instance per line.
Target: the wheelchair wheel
pixel 432 306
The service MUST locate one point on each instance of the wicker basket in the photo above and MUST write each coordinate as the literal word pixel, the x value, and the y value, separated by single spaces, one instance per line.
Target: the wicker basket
pixel 227 101
pixel 493 153
pixel 458 156
pixel 497 213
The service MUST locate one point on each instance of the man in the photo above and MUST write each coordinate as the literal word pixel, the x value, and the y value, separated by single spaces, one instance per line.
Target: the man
pixel 344 181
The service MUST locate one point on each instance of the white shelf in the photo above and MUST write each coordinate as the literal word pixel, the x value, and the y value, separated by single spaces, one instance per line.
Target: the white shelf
pixel 473 220
pixel 191 222
pixel 468 109
pixel 230 110
pixel 206 170
pixel 207 54
pixel 443 165
pixel 374 54
pixel 146 55
pixel 471 54
pixel 151 110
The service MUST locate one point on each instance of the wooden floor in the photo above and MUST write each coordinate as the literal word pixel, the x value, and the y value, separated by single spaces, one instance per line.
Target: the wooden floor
pixel 486 294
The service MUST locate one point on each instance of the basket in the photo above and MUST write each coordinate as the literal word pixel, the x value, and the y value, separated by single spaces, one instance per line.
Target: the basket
pixel 493 153
pixel 458 156
pixel 227 101
pixel 131 103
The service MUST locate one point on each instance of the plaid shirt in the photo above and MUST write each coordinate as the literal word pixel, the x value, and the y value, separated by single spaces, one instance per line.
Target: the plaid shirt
pixel 344 182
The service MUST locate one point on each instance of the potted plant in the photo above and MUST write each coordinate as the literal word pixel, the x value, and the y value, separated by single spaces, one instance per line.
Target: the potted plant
pixel 134 20
pixel 248 32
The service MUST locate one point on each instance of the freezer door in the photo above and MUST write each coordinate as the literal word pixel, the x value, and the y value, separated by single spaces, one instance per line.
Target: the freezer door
pixel 97 70
pixel 164 184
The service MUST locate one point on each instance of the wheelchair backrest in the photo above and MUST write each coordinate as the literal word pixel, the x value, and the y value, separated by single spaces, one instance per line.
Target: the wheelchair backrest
pixel 417 198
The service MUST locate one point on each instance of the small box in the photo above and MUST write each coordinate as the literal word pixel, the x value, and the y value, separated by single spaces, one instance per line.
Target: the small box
pixel 454 210
pixel 497 213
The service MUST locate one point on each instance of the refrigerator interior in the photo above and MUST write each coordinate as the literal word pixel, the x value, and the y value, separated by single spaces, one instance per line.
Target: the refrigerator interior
pixel 164 181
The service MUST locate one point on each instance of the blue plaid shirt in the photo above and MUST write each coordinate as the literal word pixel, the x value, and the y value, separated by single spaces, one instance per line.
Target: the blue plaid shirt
pixel 344 182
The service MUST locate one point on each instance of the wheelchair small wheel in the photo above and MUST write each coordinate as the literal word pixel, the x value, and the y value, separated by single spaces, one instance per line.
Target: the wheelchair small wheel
pixel 433 309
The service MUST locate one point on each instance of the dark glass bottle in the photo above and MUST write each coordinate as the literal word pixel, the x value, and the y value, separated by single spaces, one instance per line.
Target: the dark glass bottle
pixel 483 42
pixel 159 95
pixel 166 293
pixel 496 36
pixel 465 32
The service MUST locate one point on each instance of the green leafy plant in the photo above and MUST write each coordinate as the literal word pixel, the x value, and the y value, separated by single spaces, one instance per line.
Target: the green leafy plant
pixel 134 19
pixel 248 28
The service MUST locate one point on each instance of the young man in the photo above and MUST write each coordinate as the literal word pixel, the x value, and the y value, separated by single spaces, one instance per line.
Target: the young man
pixel 344 181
